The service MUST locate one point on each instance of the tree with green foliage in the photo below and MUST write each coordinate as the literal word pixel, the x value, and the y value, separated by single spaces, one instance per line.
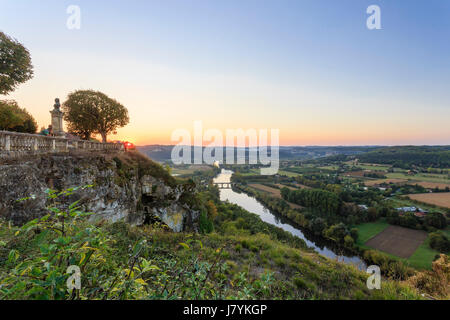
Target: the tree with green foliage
pixel 14 118
pixel 354 233
pixel 337 232
pixel 439 242
pixel 408 157
pixel 348 241
pixel 313 198
pixel 372 214
pixel 317 225
pixel 90 112
pixel 436 220
pixel 212 210
pixel 15 64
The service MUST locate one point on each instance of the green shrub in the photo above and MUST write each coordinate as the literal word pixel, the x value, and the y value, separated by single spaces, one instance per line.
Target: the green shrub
pixel 205 225
pixel 348 241
pixel 440 242
pixel 300 283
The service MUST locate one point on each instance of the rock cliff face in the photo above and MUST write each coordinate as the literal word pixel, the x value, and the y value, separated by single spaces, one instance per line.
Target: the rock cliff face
pixel 126 186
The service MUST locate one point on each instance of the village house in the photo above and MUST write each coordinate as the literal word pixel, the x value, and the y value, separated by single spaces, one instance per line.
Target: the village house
pixel 418 212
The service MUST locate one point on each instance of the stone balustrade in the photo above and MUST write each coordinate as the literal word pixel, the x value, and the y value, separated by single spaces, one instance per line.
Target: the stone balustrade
pixel 15 144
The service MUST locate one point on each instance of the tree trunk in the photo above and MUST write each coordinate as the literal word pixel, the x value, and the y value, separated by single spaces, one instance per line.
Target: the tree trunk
pixel 103 137
pixel 87 136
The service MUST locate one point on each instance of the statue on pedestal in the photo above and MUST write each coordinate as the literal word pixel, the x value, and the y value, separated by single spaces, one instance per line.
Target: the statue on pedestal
pixel 57 119
pixel 57 105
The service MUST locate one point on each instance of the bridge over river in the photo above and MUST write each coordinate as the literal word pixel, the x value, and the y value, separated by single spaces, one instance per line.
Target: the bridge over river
pixel 224 185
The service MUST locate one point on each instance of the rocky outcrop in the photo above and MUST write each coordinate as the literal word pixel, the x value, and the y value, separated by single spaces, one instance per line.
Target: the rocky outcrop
pixel 123 188
pixel 163 201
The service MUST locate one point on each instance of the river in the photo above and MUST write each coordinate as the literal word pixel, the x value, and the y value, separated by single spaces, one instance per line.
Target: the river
pixel 317 243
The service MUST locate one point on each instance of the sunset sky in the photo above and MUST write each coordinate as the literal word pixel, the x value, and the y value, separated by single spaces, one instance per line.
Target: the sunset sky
pixel 311 69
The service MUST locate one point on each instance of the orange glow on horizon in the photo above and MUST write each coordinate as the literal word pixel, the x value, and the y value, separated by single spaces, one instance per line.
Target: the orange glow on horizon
pixel 295 138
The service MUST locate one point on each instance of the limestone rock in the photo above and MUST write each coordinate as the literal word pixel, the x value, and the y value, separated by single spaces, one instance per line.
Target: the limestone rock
pixel 116 195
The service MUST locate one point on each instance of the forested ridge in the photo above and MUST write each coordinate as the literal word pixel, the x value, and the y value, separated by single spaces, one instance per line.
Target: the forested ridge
pixel 404 157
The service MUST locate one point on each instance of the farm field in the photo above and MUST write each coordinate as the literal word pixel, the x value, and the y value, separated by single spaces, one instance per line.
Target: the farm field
pixel 299 186
pixel 334 168
pixel 273 192
pixel 369 166
pixel 441 199
pixel 401 201
pixel 302 169
pixel 375 167
pixel 284 186
pixel 359 174
pixel 441 178
pixel 425 184
pixel 185 170
pixel 430 185
pixel 252 172
pixel 368 230
pixel 398 241
pixel 288 173
pixel 371 183
pixel 423 257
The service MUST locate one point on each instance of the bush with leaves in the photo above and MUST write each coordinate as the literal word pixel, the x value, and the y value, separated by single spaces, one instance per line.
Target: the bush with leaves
pixel 440 242
pixel 115 262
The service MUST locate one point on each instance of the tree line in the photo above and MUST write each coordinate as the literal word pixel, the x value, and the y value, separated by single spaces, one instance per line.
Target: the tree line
pixel 313 198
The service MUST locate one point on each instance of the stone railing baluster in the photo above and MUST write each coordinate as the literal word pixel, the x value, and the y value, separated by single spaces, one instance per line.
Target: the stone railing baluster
pixel 16 144
pixel 7 143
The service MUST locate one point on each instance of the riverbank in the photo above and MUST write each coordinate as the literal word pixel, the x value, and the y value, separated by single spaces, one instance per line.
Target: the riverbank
pixel 254 205
pixel 297 223
pixel 389 265
pixel 316 241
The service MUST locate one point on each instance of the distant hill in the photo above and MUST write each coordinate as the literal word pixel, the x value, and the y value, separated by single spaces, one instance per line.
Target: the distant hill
pixel 162 153
pixel 158 153
pixel 400 156
pixel 406 156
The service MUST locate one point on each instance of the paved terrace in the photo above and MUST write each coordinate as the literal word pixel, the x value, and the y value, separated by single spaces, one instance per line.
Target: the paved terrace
pixel 16 145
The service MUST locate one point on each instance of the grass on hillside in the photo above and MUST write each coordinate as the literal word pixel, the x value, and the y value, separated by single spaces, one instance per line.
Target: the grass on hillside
pixel 245 267
pixel 244 258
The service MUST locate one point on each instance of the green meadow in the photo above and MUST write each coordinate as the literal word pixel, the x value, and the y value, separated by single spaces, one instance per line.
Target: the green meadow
pixel 368 230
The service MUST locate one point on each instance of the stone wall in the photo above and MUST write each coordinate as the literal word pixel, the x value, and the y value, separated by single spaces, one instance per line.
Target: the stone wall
pixel 16 145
